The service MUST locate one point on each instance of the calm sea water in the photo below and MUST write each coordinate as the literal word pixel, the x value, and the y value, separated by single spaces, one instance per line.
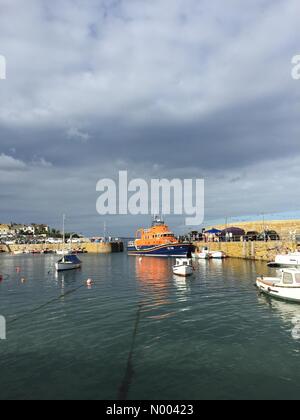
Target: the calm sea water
pixel 140 333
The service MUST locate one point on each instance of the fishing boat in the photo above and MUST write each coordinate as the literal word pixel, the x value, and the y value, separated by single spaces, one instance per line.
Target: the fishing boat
pixel 68 262
pixel 183 267
pixel 158 241
pixel 286 287
pixel 202 255
pixel 291 259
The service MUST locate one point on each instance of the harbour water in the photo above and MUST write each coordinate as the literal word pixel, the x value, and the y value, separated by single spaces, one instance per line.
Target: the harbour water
pixel 141 333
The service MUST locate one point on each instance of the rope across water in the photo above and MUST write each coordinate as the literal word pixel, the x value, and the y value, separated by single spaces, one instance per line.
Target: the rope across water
pixel 38 308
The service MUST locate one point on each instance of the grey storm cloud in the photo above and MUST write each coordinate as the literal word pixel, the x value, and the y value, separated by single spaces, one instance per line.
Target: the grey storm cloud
pixel 161 88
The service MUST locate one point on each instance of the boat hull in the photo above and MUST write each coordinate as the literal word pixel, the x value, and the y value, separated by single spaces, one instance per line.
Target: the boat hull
pixel 183 271
pixel 201 256
pixel 291 294
pixel 218 255
pixel 174 250
pixel 66 267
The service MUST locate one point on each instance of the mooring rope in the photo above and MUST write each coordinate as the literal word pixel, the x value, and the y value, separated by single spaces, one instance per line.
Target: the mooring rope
pixel 38 308
pixel 127 380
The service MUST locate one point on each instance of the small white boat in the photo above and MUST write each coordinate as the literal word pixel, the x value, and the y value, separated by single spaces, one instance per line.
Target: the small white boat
pixel 218 255
pixel 68 262
pixel 288 260
pixel 286 287
pixel 183 267
pixel 63 252
pixel 202 255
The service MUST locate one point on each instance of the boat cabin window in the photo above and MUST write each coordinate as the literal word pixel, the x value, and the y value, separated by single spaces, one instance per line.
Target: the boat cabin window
pixel 288 278
pixel 297 278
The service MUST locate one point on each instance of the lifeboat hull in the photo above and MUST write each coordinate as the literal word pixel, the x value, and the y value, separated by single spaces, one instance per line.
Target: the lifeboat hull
pixel 174 250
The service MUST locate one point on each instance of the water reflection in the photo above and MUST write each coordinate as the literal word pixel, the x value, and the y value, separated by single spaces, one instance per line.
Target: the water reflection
pixel 288 312
pixel 155 278
pixel 182 287
pixel 153 271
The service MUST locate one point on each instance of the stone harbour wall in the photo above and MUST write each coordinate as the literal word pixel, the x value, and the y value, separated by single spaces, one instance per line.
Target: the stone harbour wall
pixel 260 251
pixel 93 248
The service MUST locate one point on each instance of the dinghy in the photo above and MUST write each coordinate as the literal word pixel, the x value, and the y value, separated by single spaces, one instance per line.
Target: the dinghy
pixel 183 267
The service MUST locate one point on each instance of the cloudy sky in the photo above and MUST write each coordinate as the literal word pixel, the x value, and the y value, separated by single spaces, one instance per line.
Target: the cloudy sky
pixel 162 88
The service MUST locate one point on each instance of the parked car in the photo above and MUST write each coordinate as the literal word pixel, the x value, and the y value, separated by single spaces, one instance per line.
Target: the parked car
pixel 268 235
pixel 251 236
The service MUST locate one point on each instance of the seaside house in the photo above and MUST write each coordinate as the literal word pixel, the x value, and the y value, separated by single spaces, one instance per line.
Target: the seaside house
pixel 23 229
pixel 4 230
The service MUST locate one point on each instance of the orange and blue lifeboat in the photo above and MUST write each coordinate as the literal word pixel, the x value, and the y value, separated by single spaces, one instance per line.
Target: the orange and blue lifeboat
pixel 158 241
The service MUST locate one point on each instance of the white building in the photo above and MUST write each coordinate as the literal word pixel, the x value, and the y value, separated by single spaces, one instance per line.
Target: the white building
pixel 4 230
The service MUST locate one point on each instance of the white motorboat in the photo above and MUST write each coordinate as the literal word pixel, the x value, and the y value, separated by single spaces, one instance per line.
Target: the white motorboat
pixel 68 262
pixel 63 252
pixel 288 260
pixel 286 287
pixel 218 255
pixel 202 255
pixel 183 267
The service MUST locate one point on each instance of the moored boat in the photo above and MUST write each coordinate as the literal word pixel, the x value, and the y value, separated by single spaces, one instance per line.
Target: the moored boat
pixel 63 252
pixel 17 252
pixel 68 262
pixel 218 255
pixel 202 255
pixel 158 241
pixel 286 287
pixel 183 267
pixel 291 259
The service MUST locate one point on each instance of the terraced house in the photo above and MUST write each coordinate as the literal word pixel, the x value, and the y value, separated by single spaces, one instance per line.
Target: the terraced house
pixel 4 230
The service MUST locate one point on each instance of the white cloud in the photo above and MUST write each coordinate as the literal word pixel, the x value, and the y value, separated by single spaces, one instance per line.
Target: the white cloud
pixel 168 85
pixel 158 61
pixel 76 134
pixel 8 163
